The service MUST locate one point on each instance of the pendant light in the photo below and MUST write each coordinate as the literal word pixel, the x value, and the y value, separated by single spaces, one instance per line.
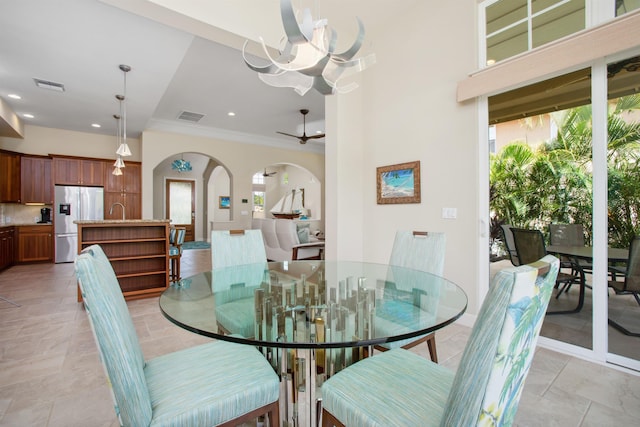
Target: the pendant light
pixel 119 163
pixel 123 149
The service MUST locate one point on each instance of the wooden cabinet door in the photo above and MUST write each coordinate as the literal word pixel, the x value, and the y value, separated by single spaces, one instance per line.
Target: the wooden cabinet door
pixel 132 175
pixel 112 183
pixel 133 202
pixel 36 180
pixel 9 177
pixel 7 249
pixel 92 172
pixel 67 171
pixel 129 181
pixel 35 243
pixel 110 199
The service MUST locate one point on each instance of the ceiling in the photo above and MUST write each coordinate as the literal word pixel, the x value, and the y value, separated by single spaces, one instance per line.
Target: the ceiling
pixel 81 43
pixel 563 92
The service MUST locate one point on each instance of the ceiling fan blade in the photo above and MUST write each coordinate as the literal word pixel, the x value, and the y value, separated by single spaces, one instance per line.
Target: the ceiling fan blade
pixel 288 134
pixel 321 135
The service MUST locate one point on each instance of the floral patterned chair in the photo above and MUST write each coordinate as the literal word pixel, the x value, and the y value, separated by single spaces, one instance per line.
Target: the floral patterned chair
pixel 401 388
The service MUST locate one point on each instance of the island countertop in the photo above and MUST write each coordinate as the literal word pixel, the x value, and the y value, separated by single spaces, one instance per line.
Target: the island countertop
pixel 122 221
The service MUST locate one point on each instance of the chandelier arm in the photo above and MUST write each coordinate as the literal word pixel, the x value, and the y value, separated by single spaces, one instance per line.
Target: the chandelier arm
pixel 322 85
pixel 295 33
pixel 289 63
pixel 355 47
pixel 270 68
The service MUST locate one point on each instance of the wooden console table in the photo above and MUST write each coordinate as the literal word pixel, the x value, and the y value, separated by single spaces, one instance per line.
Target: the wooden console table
pixel 138 251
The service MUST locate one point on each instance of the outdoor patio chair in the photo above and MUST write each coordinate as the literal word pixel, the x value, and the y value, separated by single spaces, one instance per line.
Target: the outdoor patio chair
pixel 631 283
pixel 530 247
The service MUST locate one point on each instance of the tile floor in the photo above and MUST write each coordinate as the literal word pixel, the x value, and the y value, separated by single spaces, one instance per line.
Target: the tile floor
pixel 50 374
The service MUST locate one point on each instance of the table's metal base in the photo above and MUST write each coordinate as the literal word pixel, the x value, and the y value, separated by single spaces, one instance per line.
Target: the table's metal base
pixel 302 373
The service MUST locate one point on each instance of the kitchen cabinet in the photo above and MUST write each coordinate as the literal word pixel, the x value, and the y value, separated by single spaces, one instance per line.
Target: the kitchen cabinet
pixel 132 205
pixel 35 183
pixel 35 243
pixel 7 247
pixel 125 189
pixel 9 177
pixel 77 171
pixel 138 251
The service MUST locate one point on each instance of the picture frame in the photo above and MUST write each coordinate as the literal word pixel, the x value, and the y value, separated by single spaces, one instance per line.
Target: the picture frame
pixel 224 202
pixel 396 184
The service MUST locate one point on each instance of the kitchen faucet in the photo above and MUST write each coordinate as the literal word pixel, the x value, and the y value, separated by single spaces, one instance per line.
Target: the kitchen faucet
pixel 111 210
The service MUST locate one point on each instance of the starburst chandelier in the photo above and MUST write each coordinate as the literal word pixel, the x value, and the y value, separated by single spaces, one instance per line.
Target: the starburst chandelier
pixel 307 57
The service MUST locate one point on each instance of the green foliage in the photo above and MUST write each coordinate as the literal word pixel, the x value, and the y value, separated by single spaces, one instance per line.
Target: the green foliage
pixel 553 184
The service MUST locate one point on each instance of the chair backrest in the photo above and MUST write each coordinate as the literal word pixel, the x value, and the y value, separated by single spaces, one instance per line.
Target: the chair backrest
pixel 489 381
pixel 236 247
pixel 507 238
pixel 424 251
pixel 566 234
pixel 180 233
pixel 287 234
pixel 115 336
pixel 632 274
pixel 529 244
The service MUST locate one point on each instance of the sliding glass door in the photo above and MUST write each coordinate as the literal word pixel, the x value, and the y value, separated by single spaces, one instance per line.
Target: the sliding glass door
pixel 623 192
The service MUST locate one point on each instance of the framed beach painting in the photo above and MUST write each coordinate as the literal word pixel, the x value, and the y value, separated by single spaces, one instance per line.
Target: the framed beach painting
pixel 398 183
pixel 225 202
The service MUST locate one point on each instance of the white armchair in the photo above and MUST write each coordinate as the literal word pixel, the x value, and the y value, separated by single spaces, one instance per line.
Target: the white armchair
pixel 289 240
pixel 282 242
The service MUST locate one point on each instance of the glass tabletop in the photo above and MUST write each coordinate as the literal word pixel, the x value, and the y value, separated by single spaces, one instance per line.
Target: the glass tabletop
pixel 313 304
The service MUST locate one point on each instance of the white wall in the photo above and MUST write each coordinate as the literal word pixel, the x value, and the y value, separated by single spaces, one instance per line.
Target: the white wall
pixel 408 111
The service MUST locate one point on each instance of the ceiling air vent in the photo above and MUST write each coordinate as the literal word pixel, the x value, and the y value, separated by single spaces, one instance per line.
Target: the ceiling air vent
pixel 190 117
pixel 46 84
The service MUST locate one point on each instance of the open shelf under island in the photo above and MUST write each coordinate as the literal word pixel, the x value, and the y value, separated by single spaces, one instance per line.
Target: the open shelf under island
pixel 138 250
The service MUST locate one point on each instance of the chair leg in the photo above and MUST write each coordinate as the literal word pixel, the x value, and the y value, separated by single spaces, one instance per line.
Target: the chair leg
pixel 174 269
pixel 431 343
pixel 328 420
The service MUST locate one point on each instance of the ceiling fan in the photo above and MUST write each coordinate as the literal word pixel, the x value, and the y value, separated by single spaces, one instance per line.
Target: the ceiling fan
pixel 304 138
pixel 268 174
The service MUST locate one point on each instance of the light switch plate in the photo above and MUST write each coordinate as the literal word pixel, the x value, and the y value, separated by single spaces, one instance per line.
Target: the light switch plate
pixel 449 213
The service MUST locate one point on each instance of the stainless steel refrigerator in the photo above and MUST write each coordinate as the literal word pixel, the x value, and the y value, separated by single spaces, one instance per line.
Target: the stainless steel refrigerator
pixel 71 204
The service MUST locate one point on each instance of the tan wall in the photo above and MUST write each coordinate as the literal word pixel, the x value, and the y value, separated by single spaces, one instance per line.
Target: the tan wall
pixel 41 140
pixel 241 159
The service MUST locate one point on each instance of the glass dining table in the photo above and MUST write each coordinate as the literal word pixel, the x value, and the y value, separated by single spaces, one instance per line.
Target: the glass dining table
pixel 312 318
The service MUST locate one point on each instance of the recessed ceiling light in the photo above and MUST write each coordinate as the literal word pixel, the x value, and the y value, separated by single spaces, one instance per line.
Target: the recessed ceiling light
pixel 28 116
pixel 318 131
pixel 14 96
pixel 95 125
pixel 231 114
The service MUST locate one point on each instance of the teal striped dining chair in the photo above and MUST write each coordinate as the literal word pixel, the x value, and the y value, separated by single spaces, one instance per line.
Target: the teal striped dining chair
pixel 401 388
pixel 176 239
pixel 215 384
pixel 417 250
pixel 235 306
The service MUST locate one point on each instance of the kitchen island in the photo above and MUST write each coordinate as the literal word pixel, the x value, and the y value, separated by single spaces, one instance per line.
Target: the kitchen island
pixel 138 250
